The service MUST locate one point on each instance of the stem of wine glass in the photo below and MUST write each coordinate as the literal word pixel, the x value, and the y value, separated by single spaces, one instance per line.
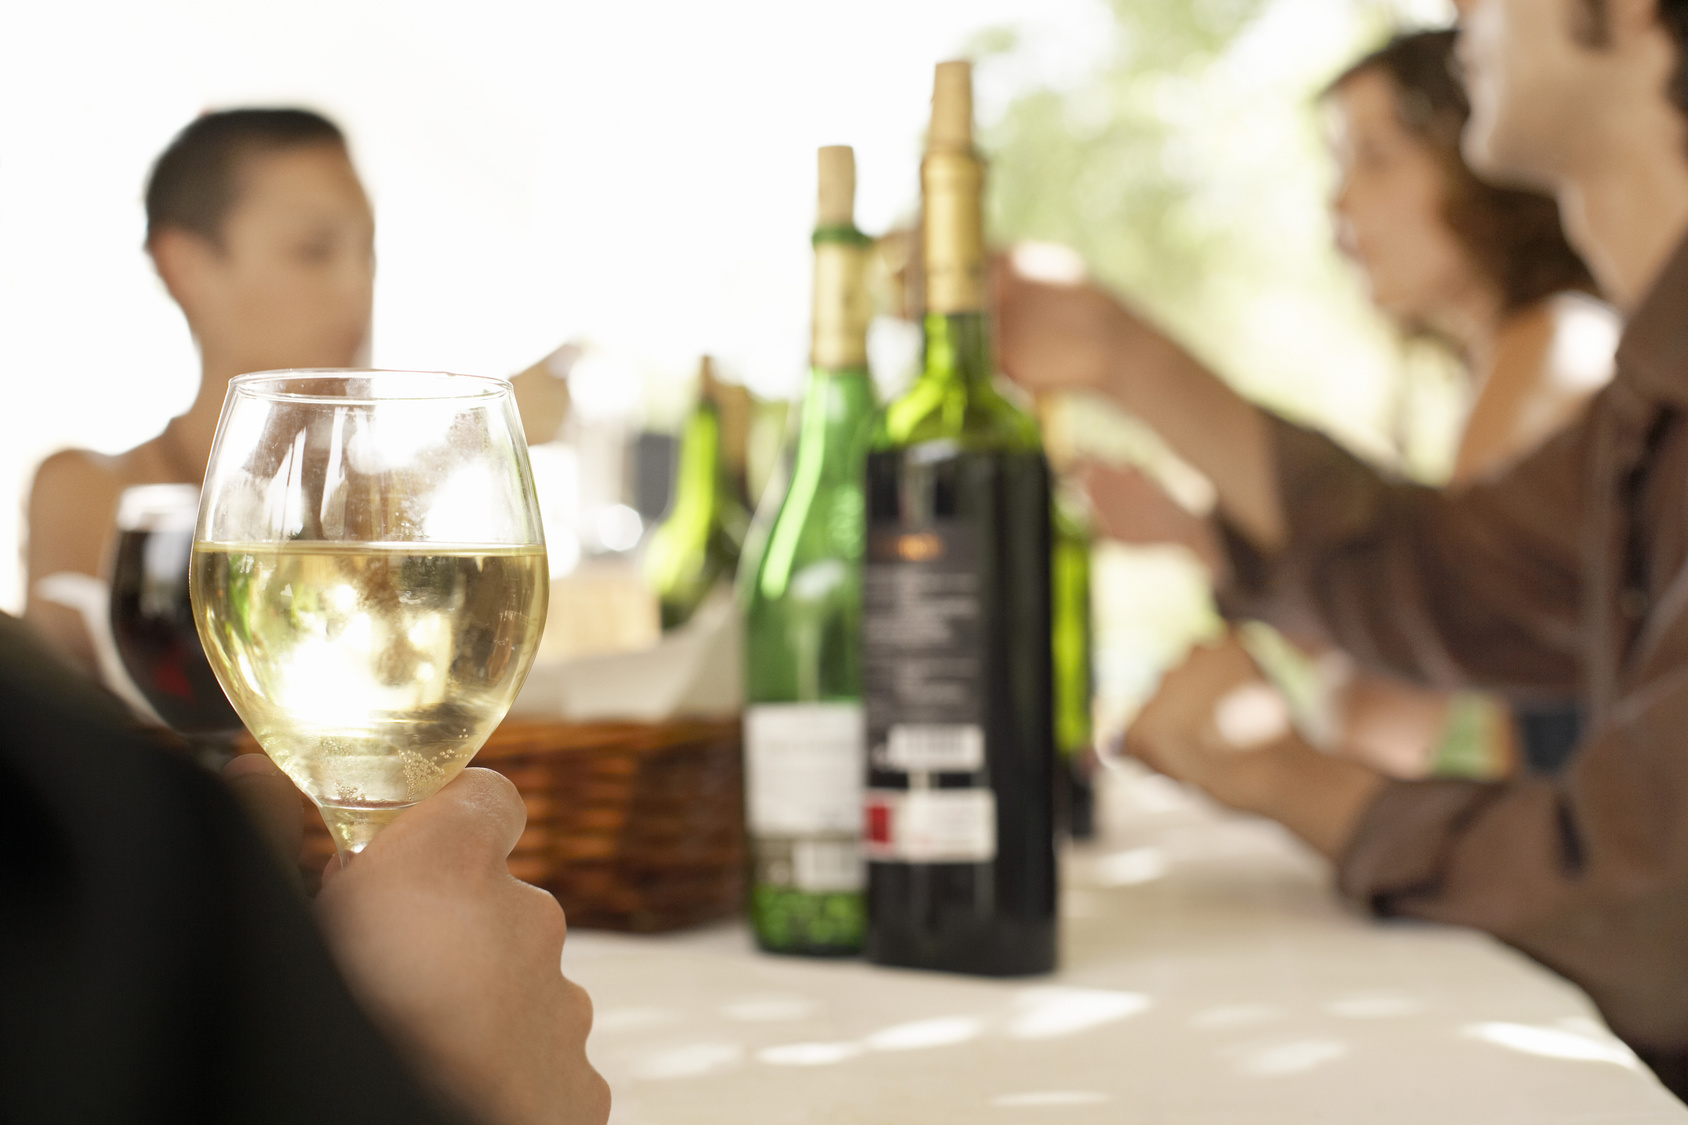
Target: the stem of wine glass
pixel 353 829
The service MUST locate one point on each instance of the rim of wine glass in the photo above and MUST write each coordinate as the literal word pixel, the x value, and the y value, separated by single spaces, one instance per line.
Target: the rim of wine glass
pixel 253 384
pixel 157 507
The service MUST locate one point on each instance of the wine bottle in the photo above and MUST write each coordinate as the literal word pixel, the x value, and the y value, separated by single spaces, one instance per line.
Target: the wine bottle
pixel 697 544
pixel 1074 670
pixel 803 728
pixel 956 654
pixel 1073 637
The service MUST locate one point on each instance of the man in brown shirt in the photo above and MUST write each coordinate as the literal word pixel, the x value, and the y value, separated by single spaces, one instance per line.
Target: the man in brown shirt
pixel 1569 572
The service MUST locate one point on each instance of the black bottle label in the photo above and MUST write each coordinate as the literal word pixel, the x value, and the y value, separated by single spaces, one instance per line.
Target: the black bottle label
pixel 921 661
pixel 959 828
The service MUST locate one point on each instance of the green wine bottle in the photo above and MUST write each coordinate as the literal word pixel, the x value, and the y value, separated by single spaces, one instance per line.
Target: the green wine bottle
pixel 1074 639
pixel 697 544
pixel 803 714
pixel 1074 672
pixel 957 648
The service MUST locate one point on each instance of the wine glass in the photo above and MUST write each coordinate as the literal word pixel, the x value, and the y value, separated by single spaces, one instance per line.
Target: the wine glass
pixel 369 578
pixel 152 621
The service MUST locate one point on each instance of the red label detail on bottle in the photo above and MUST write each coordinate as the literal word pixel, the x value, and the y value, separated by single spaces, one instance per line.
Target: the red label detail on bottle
pixel 930 826
pixel 878 829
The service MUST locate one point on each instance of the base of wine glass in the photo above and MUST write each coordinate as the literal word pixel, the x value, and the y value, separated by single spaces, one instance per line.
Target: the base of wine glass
pixel 353 829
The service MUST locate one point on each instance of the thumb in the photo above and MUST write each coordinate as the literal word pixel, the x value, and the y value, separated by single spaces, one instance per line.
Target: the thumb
pixel 478 812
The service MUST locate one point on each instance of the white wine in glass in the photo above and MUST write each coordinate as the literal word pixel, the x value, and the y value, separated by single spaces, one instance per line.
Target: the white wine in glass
pixel 369 579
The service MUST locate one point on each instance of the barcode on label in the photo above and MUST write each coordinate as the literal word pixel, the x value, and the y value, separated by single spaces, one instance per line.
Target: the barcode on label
pixel 935 748
pixel 821 866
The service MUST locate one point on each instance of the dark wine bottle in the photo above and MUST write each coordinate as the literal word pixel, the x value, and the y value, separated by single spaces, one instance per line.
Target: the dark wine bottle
pixel 803 735
pixel 956 656
pixel 696 547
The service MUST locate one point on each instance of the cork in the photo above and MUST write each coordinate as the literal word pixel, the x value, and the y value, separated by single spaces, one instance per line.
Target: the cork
pixel 708 386
pixel 837 204
pixel 952 108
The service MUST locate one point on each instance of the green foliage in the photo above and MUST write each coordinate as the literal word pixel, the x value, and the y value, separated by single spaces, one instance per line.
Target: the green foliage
pixel 1104 167
pixel 1190 172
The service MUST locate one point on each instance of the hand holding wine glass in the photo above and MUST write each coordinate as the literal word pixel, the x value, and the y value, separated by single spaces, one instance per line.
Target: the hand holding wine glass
pixel 369 578
pixel 460 962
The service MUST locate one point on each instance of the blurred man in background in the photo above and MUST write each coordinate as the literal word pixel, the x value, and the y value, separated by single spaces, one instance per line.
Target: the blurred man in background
pixel 1564 573
pixel 261 231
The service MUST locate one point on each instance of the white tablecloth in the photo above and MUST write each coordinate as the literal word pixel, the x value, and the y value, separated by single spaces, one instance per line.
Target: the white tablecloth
pixel 1207 976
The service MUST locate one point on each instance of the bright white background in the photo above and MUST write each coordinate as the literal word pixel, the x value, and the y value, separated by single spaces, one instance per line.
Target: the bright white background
pixel 637 172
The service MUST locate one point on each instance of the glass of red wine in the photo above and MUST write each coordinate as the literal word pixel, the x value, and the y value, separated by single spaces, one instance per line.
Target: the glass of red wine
pixel 152 618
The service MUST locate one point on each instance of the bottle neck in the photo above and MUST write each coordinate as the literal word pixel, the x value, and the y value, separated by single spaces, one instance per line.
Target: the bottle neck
pixel 955 399
pixel 839 397
pixel 956 333
pixel 700 474
pixel 953 239
pixel 957 351
pixel 833 428
pixel 842 306
pixel 838 405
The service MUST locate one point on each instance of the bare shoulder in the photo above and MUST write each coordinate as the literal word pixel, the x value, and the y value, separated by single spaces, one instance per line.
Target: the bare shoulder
pixel 71 471
pixel 72 481
pixel 73 502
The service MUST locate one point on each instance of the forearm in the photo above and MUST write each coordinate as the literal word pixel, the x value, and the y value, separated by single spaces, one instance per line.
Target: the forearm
pixel 1219 432
pixel 1215 724
pixel 1481 587
pixel 1318 797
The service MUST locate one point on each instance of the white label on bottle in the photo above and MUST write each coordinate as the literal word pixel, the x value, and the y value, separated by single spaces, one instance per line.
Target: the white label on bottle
pixel 803 764
pixel 821 866
pixel 935 748
pixel 930 825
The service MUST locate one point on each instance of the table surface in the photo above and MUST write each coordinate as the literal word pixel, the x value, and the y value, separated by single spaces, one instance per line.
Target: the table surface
pixel 1207 975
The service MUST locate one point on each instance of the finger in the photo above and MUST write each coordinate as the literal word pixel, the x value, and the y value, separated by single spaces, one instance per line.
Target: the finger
pixel 479 810
pixel 271 803
pixel 581 1001
pixel 544 914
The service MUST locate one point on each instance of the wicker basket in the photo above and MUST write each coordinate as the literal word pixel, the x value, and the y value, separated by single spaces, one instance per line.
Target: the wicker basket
pixel 632 826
